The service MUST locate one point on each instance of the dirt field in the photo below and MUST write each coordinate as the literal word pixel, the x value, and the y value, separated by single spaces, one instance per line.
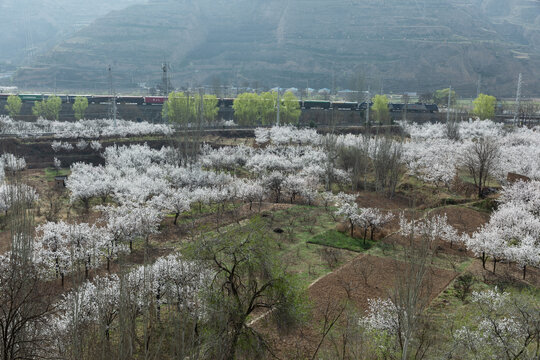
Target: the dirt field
pixel 347 283
pixel 464 219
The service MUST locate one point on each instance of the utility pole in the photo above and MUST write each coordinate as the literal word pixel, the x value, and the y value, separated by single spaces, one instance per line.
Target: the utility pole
pixel 278 106
pixel 449 103
pixel 368 100
pixel 112 104
pixel 333 91
pixel 201 94
pixel 479 83
pixel 518 99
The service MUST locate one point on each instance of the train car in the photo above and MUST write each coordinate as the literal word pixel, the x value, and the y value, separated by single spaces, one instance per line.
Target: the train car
pixel 32 97
pixel 138 100
pixel 396 107
pixel 226 102
pixel 67 99
pixel 4 96
pixel 154 100
pixel 316 104
pixel 416 108
pixel 432 108
pixel 363 106
pixel 99 99
pixel 344 105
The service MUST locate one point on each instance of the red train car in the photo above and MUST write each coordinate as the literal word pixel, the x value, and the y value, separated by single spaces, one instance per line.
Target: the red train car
pixel 155 100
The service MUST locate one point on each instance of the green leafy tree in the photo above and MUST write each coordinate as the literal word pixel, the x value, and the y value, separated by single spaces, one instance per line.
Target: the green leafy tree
pixel 183 108
pixel 79 107
pixel 178 108
pixel 48 108
pixel 39 108
pixel 440 97
pixel 484 106
pixel 246 109
pixel 268 107
pixel 248 278
pixel 14 104
pixel 380 108
pixel 290 109
pixel 210 108
pixel 250 109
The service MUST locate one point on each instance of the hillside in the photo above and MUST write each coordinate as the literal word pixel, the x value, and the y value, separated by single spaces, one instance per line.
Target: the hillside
pixel 35 26
pixel 401 45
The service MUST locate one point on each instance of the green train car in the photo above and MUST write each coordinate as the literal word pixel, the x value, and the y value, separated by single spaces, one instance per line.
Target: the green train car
pixel 31 97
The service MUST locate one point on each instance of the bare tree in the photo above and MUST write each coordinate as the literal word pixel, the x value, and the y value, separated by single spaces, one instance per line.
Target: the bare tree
pixel 480 160
pixel 331 314
pixel 53 201
pixel 355 159
pixel 25 300
pixel 365 267
pixel 25 307
pixel 411 295
pixel 452 130
pixel 329 144
pixel 388 165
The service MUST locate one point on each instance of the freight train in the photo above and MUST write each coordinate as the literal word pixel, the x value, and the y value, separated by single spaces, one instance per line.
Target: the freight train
pixel 228 102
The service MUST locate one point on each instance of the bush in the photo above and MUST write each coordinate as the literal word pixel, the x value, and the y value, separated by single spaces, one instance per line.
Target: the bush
pixel 331 256
pixel 463 286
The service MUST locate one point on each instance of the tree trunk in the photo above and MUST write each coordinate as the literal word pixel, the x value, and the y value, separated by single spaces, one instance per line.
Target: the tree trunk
pixel 524 271
pixel 484 260
pixel 176 217
pixel 494 264
pixel 231 354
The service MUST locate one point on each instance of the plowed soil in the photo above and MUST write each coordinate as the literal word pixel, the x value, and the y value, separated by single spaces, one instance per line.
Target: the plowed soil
pixel 328 293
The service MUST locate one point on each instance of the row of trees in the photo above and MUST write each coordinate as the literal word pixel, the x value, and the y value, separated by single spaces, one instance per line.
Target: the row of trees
pixel 484 105
pixel 253 109
pixel 47 108
pixel 249 108
pixel 184 108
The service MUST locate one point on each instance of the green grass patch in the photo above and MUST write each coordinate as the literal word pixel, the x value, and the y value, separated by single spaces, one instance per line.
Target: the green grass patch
pixel 334 238
pixel 50 173
pixel 291 230
pixel 485 205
